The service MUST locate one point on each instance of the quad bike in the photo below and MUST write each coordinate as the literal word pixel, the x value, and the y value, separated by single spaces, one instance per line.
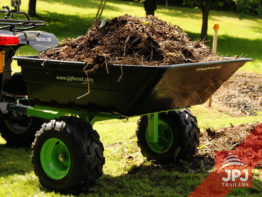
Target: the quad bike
pixel 67 151
pixel 16 128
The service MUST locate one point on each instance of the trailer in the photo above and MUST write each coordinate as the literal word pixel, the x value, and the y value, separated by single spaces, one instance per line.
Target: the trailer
pixel 67 152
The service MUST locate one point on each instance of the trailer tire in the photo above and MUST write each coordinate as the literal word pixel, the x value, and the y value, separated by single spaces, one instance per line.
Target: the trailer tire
pixel 180 135
pixel 18 129
pixel 81 147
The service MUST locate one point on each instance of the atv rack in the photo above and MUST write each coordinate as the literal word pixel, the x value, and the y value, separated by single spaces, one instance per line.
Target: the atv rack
pixel 16 25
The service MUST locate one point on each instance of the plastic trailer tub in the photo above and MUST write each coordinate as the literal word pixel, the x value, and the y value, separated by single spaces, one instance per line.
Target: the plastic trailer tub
pixel 141 90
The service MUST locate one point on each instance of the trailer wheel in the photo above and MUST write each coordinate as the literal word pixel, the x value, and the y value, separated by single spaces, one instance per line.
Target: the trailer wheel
pixel 67 155
pixel 178 137
pixel 18 129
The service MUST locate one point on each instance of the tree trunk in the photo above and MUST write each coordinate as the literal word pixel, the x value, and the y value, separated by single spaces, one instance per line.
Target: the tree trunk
pixel 205 12
pixel 150 7
pixel 32 8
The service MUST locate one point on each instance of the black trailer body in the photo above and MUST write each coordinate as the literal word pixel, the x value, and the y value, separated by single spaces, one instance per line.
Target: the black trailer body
pixel 126 89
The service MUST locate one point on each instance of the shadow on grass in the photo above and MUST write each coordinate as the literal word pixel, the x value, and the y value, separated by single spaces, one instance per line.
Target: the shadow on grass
pixel 80 4
pixel 150 180
pixel 174 179
pixel 195 13
pixel 159 181
pixel 242 47
pixel 143 180
pixel 182 12
pixel 86 4
pixel 14 160
pixel 65 26
pixel 257 29
pixel 231 46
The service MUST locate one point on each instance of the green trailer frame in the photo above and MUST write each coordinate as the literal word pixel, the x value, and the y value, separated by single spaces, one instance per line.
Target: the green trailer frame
pixel 50 113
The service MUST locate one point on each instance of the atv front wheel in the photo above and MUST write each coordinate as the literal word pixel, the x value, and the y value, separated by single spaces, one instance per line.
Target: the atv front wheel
pixel 16 128
pixel 178 137
pixel 19 130
pixel 67 155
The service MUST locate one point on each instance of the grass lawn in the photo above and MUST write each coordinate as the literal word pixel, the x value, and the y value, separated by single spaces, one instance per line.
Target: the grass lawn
pixel 72 18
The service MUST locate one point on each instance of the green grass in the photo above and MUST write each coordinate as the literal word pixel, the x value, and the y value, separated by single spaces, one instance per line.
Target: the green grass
pixel 211 118
pixel 126 172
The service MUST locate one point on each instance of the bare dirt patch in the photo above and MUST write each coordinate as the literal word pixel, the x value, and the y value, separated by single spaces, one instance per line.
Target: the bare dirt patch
pixel 240 95
pixel 224 139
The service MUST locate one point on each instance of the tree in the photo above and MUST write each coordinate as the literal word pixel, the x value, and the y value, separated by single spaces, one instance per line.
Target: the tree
pixel 253 7
pixel 32 8
pixel 150 7
pixel 205 6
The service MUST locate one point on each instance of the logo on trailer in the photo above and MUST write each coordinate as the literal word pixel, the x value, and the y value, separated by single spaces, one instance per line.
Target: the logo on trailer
pixel 74 79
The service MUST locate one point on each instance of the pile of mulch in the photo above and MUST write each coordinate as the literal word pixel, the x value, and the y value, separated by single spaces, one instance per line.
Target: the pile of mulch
pixel 224 139
pixel 240 95
pixel 132 40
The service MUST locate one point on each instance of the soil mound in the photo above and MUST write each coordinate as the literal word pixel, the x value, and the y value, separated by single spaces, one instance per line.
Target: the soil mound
pixel 132 40
pixel 224 139
pixel 240 95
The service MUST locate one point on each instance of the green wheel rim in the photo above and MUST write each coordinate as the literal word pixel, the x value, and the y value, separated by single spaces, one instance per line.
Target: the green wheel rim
pixel 55 158
pixel 165 138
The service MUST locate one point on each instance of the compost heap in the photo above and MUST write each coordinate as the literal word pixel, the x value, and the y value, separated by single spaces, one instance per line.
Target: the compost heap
pixel 132 40
pixel 240 95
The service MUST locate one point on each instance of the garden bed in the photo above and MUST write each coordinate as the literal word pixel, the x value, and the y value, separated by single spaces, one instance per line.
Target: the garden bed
pixel 241 95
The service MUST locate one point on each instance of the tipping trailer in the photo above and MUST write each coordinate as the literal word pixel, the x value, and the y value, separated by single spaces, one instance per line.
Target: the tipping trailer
pixel 67 153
